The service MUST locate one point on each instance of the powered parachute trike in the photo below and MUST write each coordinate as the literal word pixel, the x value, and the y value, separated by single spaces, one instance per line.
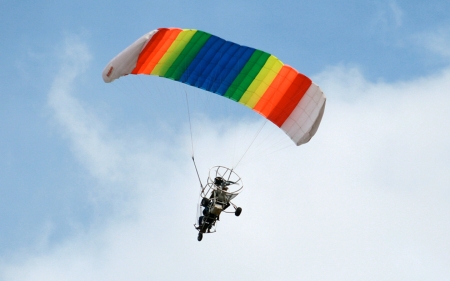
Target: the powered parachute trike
pixel 247 76
pixel 222 186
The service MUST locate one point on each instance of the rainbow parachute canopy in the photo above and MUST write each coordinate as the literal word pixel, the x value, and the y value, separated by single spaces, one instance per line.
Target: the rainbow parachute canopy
pixel 246 75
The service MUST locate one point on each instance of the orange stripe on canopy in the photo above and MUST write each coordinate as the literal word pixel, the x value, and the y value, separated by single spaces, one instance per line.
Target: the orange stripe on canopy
pixel 155 49
pixel 290 100
pixel 276 90
pixel 148 50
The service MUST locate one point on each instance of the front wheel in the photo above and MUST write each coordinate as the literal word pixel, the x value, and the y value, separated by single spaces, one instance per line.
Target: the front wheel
pixel 238 211
pixel 200 236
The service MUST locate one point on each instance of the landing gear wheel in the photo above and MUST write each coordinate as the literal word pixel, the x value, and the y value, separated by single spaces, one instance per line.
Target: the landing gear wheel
pixel 238 211
pixel 200 236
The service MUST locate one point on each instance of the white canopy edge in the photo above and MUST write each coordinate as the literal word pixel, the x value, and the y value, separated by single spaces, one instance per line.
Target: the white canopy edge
pixel 126 60
pixel 305 119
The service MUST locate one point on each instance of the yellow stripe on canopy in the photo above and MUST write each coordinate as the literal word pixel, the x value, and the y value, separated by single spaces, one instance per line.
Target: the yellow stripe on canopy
pixel 173 52
pixel 262 81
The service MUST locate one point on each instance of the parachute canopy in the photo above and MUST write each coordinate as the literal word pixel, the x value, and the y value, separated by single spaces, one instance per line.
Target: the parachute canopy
pixel 246 75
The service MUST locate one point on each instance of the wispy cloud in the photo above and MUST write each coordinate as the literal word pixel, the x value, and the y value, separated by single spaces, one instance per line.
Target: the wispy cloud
pixel 397 13
pixel 366 199
pixel 389 16
pixel 109 158
pixel 437 41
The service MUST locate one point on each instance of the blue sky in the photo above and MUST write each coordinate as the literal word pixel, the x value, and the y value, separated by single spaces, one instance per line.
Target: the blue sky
pixel 86 167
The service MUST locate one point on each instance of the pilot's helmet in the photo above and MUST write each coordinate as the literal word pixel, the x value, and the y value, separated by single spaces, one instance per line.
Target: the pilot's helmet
pixel 218 181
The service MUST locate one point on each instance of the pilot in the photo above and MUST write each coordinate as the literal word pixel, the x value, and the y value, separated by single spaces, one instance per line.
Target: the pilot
pixel 220 183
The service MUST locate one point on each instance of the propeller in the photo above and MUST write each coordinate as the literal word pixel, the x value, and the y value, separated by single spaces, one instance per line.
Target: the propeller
pixel 229 183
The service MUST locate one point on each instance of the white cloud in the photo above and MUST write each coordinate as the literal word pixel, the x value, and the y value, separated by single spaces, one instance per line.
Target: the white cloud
pixel 366 199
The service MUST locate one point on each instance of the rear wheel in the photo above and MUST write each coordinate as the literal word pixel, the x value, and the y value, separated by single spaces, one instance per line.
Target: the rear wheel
pixel 200 236
pixel 238 211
